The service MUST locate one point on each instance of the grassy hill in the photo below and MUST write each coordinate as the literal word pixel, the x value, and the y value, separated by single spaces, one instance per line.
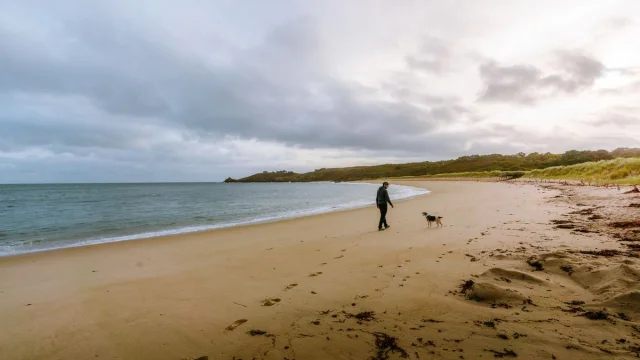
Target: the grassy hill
pixel 536 165
pixel 617 171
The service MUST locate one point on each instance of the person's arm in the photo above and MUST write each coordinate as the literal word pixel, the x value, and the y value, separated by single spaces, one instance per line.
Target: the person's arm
pixel 386 195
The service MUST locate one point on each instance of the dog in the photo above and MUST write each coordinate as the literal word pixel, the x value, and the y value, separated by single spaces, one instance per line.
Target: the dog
pixel 433 219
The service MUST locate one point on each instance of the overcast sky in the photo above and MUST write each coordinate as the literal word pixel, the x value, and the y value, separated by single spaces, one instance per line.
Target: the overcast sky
pixel 194 90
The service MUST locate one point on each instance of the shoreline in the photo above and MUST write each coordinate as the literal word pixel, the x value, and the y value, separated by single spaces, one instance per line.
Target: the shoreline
pixel 210 228
pixel 499 278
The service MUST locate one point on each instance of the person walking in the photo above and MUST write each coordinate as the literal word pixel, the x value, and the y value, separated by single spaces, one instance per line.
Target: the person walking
pixel 382 198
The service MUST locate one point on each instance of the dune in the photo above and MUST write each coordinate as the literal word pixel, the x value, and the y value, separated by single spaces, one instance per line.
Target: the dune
pixel 489 293
pixel 625 302
pixel 512 276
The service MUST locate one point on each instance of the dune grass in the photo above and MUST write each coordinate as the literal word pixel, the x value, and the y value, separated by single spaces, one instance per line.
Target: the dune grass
pixel 617 171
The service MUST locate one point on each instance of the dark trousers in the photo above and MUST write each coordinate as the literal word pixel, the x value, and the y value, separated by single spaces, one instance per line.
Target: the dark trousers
pixel 383 215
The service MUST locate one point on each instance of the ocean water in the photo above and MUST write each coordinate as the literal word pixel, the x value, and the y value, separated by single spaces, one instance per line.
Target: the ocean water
pixel 45 217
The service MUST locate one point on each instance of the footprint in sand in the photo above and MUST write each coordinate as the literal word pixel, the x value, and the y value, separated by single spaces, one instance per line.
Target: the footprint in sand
pixel 315 274
pixel 341 256
pixel 270 301
pixel 290 286
pixel 236 324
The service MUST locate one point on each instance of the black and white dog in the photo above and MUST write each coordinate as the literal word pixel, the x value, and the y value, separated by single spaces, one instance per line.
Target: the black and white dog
pixel 433 219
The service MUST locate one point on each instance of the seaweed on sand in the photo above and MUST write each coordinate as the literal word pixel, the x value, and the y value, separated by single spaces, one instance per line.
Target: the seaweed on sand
pixel 535 264
pixel 362 316
pixel 504 353
pixel 625 224
pixel 605 253
pixel 467 285
pixel 596 315
pixel 385 345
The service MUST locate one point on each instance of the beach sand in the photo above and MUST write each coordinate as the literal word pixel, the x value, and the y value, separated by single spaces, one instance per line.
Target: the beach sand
pixel 333 287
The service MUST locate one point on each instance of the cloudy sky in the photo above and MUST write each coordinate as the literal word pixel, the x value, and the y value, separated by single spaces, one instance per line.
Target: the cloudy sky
pixel 195 90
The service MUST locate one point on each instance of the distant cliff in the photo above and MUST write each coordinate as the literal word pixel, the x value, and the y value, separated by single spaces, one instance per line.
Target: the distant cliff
pixel 472 163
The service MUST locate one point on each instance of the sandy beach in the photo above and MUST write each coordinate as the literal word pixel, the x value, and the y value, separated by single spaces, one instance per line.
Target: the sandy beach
pixel 504 278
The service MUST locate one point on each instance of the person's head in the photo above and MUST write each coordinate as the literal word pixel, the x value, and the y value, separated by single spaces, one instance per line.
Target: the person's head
pixel 385 184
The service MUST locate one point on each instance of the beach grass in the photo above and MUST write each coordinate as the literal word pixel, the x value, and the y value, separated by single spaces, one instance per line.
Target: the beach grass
pixel 617 171
pixel 623 171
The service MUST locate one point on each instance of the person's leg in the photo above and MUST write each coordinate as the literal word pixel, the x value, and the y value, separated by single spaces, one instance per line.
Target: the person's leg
pixel 385 217
pixel 383 214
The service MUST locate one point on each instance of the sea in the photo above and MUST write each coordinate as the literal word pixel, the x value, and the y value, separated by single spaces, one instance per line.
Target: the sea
pixel 53 216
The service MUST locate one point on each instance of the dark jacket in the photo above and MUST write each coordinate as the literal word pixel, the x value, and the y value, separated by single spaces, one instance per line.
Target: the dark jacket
pixel 382 198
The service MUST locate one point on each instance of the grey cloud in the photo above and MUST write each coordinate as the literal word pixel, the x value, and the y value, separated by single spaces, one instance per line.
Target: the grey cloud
pixel 426 64
pixel 25 133
pixel 615 119
pixel 106 75
pixel 433 56
pixel 406 93
pixel 266 94
pixel 581 70
pixel 515 83
pixel 526 84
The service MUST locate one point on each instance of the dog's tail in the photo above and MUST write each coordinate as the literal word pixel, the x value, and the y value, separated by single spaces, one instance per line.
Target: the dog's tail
pixel 440 217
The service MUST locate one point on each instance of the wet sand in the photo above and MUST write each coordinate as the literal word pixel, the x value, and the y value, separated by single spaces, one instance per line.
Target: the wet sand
pixel 518 270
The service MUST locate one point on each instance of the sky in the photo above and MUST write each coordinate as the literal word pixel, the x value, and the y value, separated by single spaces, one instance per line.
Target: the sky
pixel 195 90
